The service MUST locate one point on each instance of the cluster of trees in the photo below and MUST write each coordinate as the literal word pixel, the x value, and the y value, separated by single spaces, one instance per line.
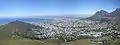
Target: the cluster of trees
pixel 67 38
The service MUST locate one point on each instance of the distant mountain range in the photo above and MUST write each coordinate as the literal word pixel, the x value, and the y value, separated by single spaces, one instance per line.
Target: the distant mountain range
pixel 59 17
pixel 104 15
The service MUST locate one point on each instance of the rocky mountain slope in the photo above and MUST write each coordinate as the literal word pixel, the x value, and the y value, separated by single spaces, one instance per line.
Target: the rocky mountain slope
pixel 115 13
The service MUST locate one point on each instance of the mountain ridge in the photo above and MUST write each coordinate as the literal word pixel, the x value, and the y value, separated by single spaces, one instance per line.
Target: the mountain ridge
pixel 101 15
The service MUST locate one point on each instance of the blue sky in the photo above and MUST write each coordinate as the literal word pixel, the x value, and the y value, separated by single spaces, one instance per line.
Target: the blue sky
pixel 21 8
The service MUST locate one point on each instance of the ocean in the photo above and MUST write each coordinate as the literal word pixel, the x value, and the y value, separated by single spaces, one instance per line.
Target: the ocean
pixel 7 20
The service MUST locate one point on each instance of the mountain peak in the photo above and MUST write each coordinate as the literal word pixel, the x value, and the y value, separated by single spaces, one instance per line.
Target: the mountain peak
pixel 115 12
pixel 102 11
pixel 118 9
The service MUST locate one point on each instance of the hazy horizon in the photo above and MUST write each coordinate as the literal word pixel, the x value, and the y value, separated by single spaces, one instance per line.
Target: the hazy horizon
pixel 27 8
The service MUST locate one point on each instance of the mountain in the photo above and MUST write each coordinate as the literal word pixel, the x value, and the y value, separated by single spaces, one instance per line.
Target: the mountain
pixel 7 30
pixel 117 20
pixel 104 15
pixel 115 13
pixel 100 15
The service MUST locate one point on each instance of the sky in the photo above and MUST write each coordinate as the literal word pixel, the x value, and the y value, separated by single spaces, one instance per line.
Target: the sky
pixel 24 8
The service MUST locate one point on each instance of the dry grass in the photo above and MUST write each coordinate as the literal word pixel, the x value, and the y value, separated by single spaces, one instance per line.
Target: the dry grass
pixel 45 42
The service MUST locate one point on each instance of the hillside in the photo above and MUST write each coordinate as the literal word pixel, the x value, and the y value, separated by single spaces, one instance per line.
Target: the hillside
pixel 118 18
pixel 9 29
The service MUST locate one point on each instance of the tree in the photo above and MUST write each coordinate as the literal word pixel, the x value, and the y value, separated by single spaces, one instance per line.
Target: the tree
pixel 67 38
